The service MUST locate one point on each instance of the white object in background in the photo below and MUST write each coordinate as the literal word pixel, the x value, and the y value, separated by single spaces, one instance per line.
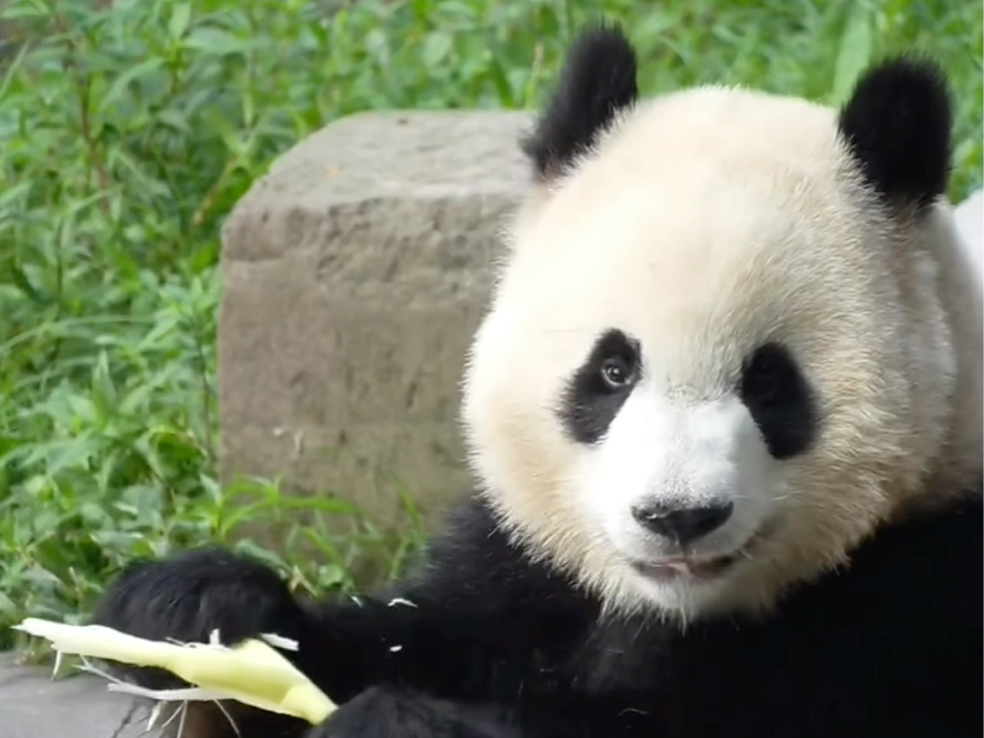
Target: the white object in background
pixel 969 218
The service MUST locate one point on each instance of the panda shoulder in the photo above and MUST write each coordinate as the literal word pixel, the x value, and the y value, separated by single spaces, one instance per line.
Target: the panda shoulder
pixel 913 574
pixel 932 549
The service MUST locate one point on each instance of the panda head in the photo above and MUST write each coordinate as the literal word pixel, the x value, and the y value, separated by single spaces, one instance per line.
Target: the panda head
pixel 718 353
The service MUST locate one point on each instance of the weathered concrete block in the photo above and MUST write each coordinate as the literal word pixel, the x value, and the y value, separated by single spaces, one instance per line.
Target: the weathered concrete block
pixel 354 274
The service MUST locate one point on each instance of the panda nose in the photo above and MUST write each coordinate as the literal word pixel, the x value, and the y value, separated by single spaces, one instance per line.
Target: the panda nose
pixel 682 524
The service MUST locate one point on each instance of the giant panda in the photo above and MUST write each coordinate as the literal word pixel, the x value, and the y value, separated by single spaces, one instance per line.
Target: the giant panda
pixel 724 418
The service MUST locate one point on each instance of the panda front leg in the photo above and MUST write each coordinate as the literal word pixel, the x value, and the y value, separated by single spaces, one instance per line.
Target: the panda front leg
pixel 437 644
pixel 345 648
pixel 388 712
pixel 474 645
pixel 392 712
pixel 186 598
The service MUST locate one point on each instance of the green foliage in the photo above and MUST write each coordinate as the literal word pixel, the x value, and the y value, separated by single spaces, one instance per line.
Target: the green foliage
pixel 128 129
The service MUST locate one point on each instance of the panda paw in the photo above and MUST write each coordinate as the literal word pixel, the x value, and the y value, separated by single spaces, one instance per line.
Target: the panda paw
pixel 385 712
pixel 190 595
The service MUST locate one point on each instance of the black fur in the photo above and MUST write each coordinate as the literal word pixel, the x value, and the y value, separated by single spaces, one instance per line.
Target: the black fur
pixel 590 404
pixel 497 647
pixel 217 581
pixel 897 125
pixel 779 399
pixel 598 80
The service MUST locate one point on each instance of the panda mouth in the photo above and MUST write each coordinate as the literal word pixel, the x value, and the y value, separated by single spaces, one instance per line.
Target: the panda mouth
pixel 704 567
pixel 701 567
pixel 687 566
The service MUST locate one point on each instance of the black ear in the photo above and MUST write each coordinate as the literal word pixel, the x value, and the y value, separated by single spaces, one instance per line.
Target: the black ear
pixel 897 125
pixel 597 81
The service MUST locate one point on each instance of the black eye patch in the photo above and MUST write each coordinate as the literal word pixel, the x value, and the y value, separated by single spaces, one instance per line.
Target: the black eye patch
pixel 777 395
pixel 600 386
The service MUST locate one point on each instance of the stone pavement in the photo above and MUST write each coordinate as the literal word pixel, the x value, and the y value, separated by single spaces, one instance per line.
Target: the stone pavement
pixel 34 706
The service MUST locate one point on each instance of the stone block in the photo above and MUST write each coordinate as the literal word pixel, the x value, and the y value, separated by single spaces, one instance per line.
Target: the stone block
pixel 354 274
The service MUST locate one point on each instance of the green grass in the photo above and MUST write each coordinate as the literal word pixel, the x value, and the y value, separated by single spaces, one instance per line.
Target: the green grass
pixel 128 132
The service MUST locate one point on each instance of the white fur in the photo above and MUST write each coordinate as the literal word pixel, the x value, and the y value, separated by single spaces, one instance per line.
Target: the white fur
pixel 685 455
pixel 708 222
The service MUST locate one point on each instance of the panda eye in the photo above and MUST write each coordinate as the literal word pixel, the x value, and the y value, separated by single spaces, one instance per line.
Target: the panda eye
pixel 616 372
pixel 594 394
pixel 780 400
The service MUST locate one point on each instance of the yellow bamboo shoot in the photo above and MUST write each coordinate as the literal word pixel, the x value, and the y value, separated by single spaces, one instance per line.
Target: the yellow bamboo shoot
pixel 251 672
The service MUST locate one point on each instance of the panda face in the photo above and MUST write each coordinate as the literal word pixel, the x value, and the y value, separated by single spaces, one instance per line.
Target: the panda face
pixel 709 345
pixel 682 476
pixel 653 385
